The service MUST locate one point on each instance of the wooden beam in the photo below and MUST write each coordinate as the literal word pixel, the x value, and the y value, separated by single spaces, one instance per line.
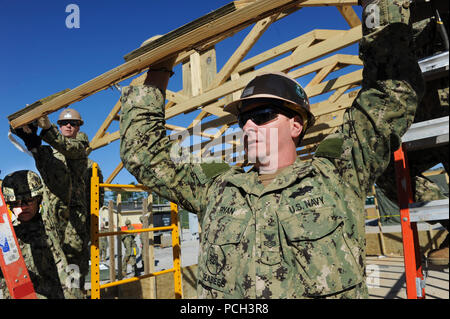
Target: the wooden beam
pixel 109 119
pixel 325 113
pixel 196 74
pixel 323 3
pixel 257 31
pixel 349 15
pixel 225 118
pixel 321 88
pixel 322 74
pixel 170 95
pixel 245 14
pixel 198 119
pixel 176 97
pixel 316 51
pixel 281 49
pixel 106 139
pixel 114 173
pixel 216 107
pixel 328 106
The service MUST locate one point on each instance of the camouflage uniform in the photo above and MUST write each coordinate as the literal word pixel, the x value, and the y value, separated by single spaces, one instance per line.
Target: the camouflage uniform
pixel 130 251
pixel 41 249
pixel 63 167
pixel 434 104
pixel 103 246
pixel 303 235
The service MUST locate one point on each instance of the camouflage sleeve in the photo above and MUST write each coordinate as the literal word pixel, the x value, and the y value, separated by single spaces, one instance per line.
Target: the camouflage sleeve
pixel 385 106
pixel 54 172
pixel 72 152
pixel 4 291
pixel 71 148
pixel 64 270
pixel 148 153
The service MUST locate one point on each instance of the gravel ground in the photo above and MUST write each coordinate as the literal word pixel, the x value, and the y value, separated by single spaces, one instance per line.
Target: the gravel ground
pixel 189 255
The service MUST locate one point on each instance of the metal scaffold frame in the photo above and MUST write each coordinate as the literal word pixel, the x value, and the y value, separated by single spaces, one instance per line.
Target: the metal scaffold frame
pixel 95 235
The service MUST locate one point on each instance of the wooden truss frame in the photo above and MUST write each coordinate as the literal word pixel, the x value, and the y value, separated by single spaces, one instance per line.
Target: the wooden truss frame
pixel 207 90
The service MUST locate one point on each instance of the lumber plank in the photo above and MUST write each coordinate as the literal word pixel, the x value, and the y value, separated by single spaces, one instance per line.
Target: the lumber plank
pixel 237 20
pixel 105 125
pixel 114 173
pixel 275 52
pixel 316 51
pixel 349 15
pixel 317 109
pixel 324 121
pixel 322 3
pixel 208 18
pixel 322 74
pixel 257 31
pixel 106 139
pixel 350 78
pixel 196 74
pixel 37 103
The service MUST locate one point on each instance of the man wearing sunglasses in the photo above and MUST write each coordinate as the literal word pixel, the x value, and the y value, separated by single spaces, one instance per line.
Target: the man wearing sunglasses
pixel 69 122
pixel 38 240
pixel 273 113
pixel 63 165
pixel 299 233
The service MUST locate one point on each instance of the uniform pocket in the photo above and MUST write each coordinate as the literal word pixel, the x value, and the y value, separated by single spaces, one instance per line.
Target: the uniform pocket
pixel 220 259
pixel 320 251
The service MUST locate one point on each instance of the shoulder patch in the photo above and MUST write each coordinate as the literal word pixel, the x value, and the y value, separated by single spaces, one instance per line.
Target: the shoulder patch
pixel 330 147
pixel 214 169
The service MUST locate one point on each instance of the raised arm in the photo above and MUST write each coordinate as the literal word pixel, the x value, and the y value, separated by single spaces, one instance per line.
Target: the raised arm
pixel 385 106
pixel 147 152
pixel 71 148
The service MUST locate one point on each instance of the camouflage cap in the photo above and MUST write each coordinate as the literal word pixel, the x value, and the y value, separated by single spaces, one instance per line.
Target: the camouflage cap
pixel 127 222
pixel 21 185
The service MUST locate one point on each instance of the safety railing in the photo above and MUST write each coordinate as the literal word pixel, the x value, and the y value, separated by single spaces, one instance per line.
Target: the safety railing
pixel 95 235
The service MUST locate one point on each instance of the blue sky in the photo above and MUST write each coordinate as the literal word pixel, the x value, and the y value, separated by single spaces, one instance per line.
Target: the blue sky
pixel 41 56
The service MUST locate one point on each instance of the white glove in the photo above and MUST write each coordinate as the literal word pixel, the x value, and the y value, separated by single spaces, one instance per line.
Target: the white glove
pixel 44 122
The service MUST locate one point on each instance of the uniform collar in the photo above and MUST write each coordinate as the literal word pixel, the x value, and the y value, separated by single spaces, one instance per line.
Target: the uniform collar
pixel 249 182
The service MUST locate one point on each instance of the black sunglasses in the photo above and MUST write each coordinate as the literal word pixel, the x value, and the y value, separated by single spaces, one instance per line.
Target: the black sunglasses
pixel 261 116
pixel 71 122
pixel 23 202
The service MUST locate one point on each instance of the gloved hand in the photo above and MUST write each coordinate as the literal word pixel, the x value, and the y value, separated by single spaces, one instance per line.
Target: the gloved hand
pixel 44 122
pixel 28 134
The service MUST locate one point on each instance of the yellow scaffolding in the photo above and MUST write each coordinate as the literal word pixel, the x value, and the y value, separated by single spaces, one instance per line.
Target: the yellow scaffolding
pixel 95 266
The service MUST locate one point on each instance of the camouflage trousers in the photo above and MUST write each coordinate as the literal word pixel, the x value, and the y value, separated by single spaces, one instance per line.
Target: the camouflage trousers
pixel 75 244
pixel 129 260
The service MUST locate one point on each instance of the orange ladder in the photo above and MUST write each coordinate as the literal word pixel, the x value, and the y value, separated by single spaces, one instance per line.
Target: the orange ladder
pixel 420 136
pixel 12 263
